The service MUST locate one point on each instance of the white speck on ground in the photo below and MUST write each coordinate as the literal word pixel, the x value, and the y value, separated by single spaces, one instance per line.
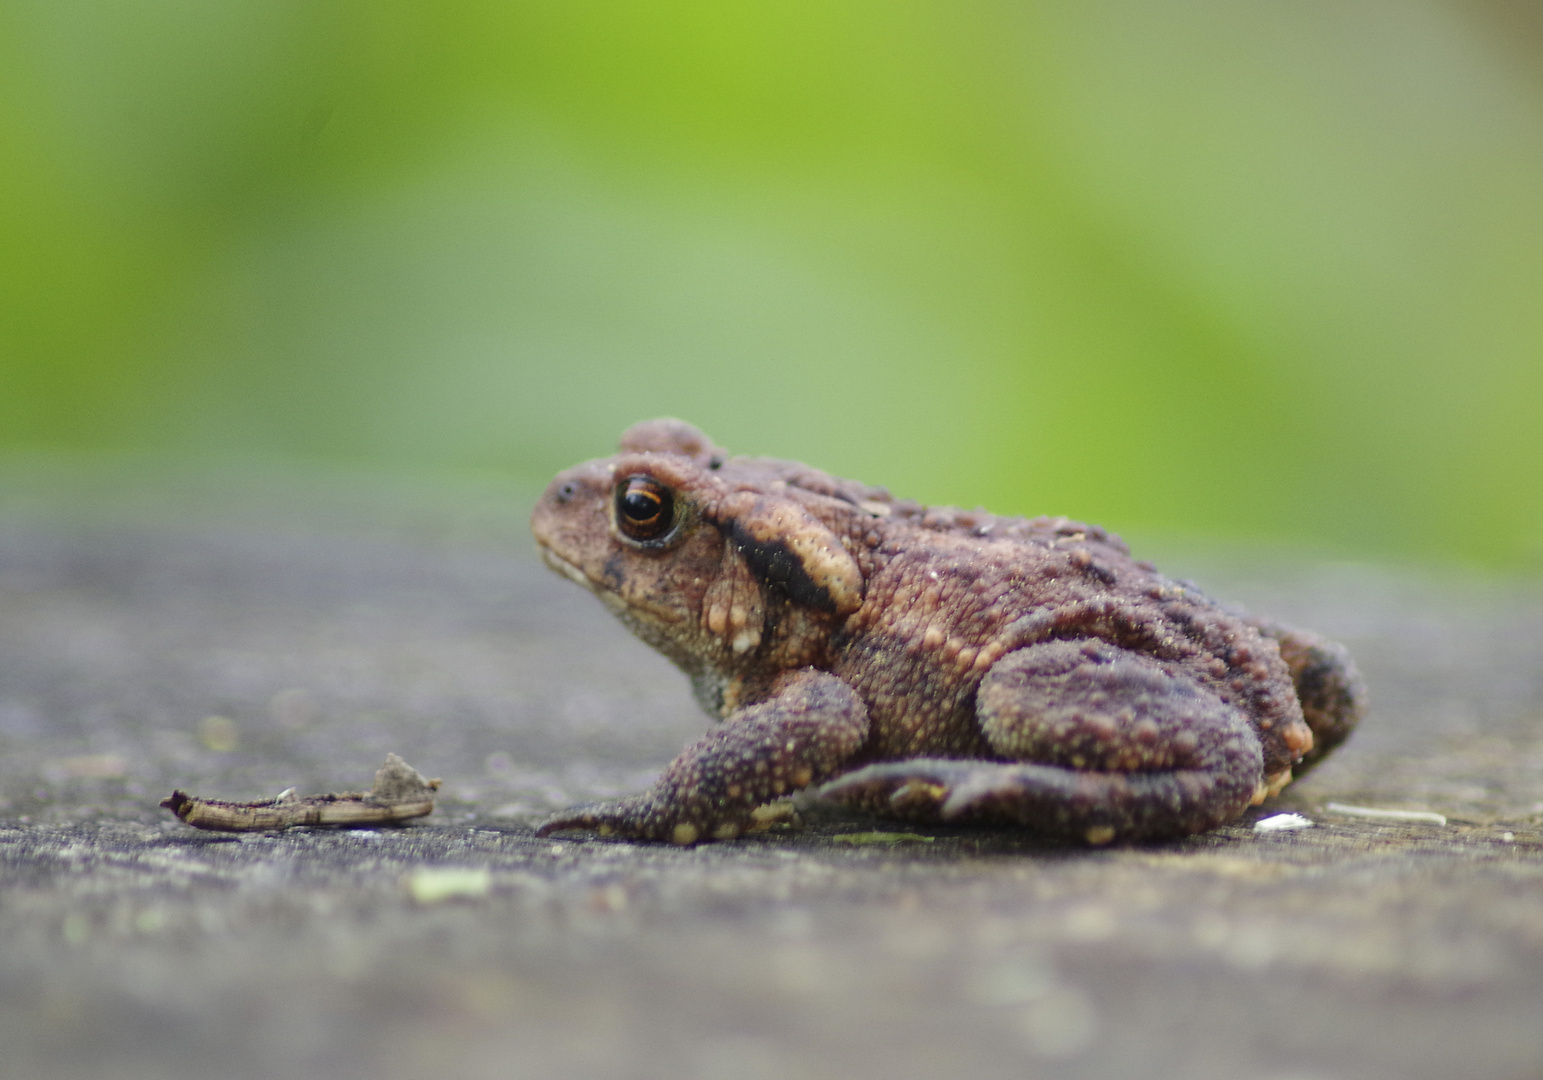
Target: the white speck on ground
pixel 1282 823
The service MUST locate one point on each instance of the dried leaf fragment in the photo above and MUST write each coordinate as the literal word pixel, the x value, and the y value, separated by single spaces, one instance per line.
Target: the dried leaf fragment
pixel 400 792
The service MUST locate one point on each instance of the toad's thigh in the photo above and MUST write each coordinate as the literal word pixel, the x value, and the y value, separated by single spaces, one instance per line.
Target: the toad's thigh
pixel 1089 705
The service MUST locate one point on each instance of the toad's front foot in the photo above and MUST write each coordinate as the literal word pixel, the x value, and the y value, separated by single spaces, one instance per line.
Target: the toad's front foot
pixel 731 780
pixel 637 818
pixel 644 818
pixel 598 817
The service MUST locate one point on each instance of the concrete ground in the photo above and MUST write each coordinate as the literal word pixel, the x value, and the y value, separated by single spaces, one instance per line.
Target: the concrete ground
pixel 237 636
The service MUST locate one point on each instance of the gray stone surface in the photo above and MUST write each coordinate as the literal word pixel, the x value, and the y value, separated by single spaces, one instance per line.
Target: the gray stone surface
pixel 325 626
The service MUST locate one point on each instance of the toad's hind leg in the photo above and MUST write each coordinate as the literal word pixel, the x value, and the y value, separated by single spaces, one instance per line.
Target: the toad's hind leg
pixel 1104 744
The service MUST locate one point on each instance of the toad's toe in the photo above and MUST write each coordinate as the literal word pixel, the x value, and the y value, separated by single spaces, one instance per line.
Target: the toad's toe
pixel 918 787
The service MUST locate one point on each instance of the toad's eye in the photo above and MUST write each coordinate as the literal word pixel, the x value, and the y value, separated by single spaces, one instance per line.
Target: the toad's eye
pixel 645 508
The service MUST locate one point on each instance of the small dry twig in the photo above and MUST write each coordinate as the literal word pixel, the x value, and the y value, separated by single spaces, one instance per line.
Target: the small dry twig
pixel 400 792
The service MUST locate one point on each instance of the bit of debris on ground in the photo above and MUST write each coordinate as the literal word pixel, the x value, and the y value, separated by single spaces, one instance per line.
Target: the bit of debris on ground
pixel 400 793
pixel 1282 823
pixel 1377 813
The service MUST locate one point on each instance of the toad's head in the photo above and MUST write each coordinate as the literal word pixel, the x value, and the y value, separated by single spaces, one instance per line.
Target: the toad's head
pixel 721 563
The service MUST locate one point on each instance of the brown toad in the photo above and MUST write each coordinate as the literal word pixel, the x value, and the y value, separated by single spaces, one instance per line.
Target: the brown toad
pixel 936 665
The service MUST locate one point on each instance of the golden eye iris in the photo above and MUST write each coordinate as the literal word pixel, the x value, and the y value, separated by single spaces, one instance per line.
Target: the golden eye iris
pixel 645 508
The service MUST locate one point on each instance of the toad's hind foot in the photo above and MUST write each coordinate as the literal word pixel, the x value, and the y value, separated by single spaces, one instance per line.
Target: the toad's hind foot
pixel 1330 688
pixel 1048 800
pixel 915 790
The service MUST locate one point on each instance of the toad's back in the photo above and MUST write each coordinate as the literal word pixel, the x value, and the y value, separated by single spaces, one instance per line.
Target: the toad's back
pixel 950 593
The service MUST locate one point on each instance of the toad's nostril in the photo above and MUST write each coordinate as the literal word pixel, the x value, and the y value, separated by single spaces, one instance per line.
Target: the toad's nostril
pixel 566 492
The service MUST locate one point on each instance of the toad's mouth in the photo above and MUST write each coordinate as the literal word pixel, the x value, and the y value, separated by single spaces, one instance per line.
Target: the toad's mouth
pixel 629 609
pixel 567 569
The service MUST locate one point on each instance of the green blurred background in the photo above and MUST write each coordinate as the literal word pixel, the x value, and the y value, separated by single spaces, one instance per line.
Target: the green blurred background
pixel 1241 269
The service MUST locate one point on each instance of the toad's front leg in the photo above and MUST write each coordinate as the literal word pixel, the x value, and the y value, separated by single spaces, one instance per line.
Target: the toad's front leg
pixel 1104 743
pixel 800 734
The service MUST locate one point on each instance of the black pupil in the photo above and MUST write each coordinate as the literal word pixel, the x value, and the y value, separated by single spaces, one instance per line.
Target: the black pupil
pixel 645 508
pixel 641 506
